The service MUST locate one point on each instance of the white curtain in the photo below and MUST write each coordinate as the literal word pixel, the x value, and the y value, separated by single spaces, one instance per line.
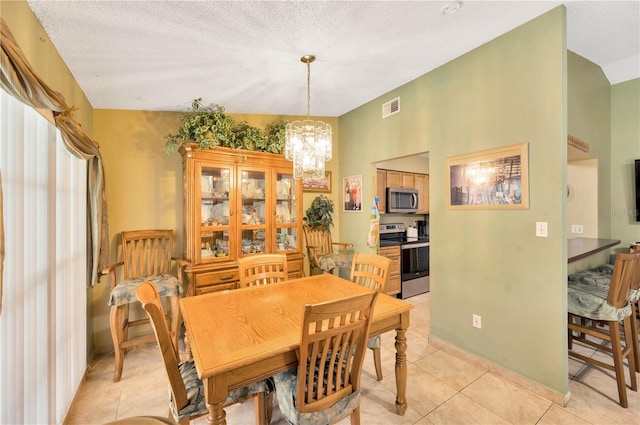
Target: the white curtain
pixel 43 320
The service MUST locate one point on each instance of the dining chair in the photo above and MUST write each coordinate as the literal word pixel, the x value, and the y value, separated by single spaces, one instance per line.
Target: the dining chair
pixel 597 312
pixel 325 255
pixel 187 401
pixel 325 386
pixel 262 269
pixel 601 276
pixel 371 271
pixel 146 256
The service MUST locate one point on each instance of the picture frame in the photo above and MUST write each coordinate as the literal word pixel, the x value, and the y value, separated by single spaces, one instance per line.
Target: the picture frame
pixel 490 179
pixel 352 193
pixel 316 184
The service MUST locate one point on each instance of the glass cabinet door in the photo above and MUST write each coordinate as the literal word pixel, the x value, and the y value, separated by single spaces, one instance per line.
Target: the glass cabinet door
pixel 253 210
pixel 215 213
pixel 285 212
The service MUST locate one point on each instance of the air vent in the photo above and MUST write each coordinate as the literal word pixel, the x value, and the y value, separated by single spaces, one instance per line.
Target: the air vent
pixel 391 107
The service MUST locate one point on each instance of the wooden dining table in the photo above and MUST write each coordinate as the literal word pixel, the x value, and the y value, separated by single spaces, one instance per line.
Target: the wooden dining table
pixel 242 336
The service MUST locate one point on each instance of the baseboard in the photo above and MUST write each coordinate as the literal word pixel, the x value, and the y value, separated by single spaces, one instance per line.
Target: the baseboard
pixel 508 375
pixel 65 420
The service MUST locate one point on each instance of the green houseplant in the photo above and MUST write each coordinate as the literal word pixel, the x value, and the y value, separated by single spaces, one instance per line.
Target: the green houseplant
pixel 319 213
pixel 209 127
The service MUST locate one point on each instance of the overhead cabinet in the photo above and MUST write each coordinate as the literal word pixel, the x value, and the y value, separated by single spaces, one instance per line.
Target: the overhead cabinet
pixel 237 203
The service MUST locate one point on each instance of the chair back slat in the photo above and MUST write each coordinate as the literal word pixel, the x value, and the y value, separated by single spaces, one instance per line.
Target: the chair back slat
pixel 319 238
pixel 151 303
pixel 333 343
pixel 370 270
pixel 625 271
pixel 146 252
pixel 262 269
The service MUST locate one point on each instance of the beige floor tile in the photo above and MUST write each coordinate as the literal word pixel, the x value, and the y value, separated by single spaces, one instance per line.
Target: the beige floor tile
pixel 557 415
pixel 507 400
pixel 425 392
pixel 461 410
pixel 449 369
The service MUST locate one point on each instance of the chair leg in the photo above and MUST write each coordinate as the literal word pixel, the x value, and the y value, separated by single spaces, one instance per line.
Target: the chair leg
pixel 354 418
pixel 261 413
pixel 378 363
pixel 634 334
pixel 630 347
pixel 616 346
pixel 115 319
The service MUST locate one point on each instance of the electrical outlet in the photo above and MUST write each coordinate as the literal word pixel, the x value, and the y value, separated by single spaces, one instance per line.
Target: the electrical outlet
pixel 477 321
pixel 541 229
pixel 577 228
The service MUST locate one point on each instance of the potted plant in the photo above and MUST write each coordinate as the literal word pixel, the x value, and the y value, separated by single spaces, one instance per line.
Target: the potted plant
pixel 319 213
pixel 209 127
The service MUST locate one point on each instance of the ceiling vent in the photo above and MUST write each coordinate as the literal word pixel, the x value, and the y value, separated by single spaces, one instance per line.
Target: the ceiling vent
pixel 391 107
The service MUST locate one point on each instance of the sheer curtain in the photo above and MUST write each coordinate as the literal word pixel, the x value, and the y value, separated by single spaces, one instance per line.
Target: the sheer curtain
pixel 43 320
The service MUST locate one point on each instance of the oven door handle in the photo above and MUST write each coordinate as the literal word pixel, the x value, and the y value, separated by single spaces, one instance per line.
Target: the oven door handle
pixel 415 245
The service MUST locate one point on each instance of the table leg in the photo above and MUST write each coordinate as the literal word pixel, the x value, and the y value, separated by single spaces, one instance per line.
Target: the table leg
pixel 401 371
pixel 217 415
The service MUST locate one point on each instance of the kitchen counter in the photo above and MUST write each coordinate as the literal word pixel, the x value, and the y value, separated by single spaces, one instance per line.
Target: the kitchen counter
pixel 579 248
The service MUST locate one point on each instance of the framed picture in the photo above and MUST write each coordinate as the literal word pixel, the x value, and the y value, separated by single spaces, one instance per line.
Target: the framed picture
pixel 317 184
pixel 352 193
pixel 490 179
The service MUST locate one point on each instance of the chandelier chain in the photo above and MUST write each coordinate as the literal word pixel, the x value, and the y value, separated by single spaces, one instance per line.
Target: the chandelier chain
pixel 308 88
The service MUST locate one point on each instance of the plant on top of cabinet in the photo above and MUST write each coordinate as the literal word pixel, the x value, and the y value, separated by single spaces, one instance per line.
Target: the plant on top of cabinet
pixel 209 127
pixel 319 213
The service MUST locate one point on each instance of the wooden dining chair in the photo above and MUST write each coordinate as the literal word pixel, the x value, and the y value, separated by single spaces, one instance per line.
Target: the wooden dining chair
pixel 325 387
pixel 187 399
pixel 325 255
pixel 146 256
pixel 262 269
pixel 371 271
pixel 597 312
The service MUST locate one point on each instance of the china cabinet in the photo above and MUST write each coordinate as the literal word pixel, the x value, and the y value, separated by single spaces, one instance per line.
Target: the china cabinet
pixel 237 203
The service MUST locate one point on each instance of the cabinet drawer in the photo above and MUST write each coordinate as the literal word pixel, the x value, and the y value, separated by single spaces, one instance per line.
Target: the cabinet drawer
pixel 215 288
pixel 294 266
pixel 217 278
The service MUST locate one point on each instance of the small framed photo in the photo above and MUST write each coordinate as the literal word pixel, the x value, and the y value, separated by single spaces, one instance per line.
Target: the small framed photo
pixel 490 179
pixel 352 193
pixel 317 184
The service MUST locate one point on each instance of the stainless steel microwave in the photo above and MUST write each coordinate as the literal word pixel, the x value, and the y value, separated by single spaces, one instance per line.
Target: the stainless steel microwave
pixel 401 200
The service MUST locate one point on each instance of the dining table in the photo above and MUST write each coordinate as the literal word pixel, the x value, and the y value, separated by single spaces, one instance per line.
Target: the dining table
pixel 241 336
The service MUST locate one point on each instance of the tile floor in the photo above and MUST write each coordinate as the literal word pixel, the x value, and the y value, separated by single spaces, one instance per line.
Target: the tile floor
pixel 442 390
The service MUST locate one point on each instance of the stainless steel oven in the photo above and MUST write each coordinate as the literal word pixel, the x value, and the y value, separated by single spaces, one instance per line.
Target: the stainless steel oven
pixel 414 268
pixel 414 258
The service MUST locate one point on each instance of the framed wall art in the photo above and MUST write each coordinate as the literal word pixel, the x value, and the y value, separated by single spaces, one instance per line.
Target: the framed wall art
pixel 352 193
pixel 317 184
pixel 490 179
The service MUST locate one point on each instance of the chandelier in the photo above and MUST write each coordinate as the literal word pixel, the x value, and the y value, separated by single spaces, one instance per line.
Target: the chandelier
pixel 308 142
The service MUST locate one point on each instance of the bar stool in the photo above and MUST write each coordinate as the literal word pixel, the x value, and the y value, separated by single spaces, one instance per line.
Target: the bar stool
pixel 597 312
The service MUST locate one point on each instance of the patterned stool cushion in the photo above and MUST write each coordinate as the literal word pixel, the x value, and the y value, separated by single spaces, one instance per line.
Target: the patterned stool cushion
pixel 591 301
pixel 195 392
pixel 286 387
pixel 167 285
pixel 329 262
pixel 601 277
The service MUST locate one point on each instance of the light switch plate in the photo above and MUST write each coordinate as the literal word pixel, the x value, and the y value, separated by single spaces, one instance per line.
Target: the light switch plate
pixel 541 229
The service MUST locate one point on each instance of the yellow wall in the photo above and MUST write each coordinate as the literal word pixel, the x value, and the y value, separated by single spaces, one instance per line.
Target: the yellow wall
pixel 144 183
pixel 486 262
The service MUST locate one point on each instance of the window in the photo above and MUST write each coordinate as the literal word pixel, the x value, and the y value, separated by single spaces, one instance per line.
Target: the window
pixel 43 337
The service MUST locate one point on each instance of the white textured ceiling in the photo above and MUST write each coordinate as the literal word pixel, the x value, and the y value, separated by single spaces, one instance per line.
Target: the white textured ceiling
pixel 245 55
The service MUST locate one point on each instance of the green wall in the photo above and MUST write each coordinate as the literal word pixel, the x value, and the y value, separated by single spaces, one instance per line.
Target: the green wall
pixel 625 147
pixel 511 90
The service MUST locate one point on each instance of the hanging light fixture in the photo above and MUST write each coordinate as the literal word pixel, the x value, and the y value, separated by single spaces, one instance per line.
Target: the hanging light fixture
pixel 308 143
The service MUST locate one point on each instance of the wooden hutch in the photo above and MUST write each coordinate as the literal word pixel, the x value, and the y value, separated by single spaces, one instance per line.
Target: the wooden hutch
pixel 236 203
